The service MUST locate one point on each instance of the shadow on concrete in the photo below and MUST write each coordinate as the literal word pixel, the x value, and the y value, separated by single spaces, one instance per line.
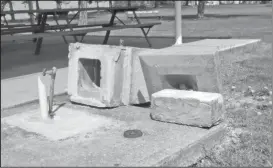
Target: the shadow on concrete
pixel 143 105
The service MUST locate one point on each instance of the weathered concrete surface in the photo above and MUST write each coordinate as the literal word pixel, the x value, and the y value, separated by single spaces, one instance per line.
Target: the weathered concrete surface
pixel 191 108
pixel 162 144
pixel 23 89
pixel 121 80
pixel 199 65
pixel 100 86
pixel 209 62
pixel 66 123
pixel 138 89
pixel 225 44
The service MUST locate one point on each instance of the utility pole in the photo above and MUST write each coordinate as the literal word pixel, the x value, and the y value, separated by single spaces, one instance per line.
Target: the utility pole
pixel 178 22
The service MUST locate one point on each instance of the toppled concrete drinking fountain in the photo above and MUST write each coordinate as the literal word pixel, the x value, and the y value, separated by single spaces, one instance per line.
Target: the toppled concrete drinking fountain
pixel 104 76
pixel 111 76
pixel 185 119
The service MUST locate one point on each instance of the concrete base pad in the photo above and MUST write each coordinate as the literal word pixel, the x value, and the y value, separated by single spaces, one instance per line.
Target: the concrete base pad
pixel 100 141
pixel 66 123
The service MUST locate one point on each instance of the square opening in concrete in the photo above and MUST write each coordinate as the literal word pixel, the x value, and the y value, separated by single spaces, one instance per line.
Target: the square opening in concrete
pixel 179 81
pixel 89 78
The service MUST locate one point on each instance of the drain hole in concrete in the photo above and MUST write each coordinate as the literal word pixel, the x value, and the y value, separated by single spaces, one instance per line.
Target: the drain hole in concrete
pixel 89 77
pixel 132 133
pixel 179 81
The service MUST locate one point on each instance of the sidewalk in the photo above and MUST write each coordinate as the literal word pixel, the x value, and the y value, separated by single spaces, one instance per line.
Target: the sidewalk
pixel 24 89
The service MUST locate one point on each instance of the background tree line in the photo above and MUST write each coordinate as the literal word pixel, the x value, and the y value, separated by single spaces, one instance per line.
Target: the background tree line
pixel 142 4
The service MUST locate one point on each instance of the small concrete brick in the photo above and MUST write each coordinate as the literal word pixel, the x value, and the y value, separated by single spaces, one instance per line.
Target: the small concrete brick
pixel 192 108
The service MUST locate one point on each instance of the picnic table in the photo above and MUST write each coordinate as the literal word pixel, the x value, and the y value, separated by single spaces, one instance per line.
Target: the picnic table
pixel 41 28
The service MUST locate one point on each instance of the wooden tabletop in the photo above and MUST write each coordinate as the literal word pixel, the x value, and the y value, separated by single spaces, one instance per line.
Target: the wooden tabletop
pixel 117 9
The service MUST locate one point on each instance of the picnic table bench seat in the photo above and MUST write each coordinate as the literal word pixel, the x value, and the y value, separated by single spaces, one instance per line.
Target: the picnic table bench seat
pixel 35 28
pixel 74 32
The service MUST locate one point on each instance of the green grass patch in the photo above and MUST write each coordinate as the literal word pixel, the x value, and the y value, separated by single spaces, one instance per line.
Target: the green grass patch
pixel 248 142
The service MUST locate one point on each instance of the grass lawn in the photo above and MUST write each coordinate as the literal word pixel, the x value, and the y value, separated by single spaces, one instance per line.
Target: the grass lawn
pixel 248 142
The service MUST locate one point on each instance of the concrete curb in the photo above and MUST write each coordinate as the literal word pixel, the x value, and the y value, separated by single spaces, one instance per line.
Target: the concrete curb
pixel 196 151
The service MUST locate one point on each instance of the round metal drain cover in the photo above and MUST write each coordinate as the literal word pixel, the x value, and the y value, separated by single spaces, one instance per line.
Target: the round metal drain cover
pixel 132 133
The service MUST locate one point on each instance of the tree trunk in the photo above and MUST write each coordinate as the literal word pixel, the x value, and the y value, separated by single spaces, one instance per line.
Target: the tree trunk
pixel 110 4
pixel 142 4
pixel 97 4
pixel 83 14
pixel 201 8
pixel 187 3
pixel 58 3
pixel 11 9
pixel 129 4
pixel 30 7
pixel 156 3
pixel 37 5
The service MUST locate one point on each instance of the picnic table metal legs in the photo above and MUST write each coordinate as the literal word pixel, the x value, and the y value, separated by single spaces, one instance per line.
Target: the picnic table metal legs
pixel 39 19
pixel 143 31
pixel 56 20
pixel 5 20
pixel 111 23
pixel 71 29
pixel 40 39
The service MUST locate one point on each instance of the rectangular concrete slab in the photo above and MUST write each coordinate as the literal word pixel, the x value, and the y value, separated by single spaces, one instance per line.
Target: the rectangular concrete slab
pixel 162 144
pixel 224 44
pixel 192 108
pixel 98 74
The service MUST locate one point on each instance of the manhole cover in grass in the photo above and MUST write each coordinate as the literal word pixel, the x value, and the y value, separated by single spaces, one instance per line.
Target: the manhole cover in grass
pixel 132 133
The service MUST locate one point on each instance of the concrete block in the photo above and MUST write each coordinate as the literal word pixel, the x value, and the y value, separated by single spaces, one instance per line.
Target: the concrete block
pixel 122 80
pixel 192 108
pixel 130 75
pixel 200 66
pixel 139 93
pixel 171 68
pixel 99 75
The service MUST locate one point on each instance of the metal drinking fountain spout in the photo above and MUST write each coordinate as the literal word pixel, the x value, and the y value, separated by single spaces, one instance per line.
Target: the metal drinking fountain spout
pixel 52 73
